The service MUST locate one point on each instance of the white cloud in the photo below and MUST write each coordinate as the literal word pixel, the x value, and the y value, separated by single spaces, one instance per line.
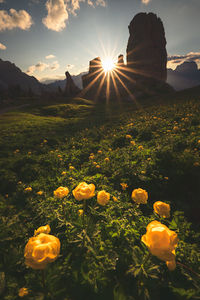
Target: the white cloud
pixel 101 3
pixel 146 1
pixel 57 15
pixel 174 60
pixel 89 2
pixel 49 56
pixel 58 11
pixel 2 46
pixel 15 19
pixel 55 65
pixel 40 66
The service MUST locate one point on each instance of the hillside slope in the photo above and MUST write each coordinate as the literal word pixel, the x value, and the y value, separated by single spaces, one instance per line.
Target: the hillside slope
pixel 118 148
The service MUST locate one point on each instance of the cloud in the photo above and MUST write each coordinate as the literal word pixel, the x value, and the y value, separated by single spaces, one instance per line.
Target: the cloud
pixel 55 65
pixel 174 60
pixel 2 47
pixel 58 11
pixel 89 2
pixel 57 15
pixel 191 56
pixel 146 1
pixel 14 19
pixel 49 56
pixel 40 66
pixel 101 3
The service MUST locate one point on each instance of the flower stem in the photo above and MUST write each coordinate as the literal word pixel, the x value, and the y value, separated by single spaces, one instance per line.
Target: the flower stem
pixel 184 266
pixel 43 281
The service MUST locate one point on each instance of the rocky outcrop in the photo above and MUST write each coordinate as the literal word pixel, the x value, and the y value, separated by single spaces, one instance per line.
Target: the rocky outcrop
pixel 145 72
pixel 70 89
pixel 186 75
pixel 146 49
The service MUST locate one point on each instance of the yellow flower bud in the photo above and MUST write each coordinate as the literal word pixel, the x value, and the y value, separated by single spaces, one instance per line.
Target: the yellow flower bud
pixel 28 189
pixel 99 151
pixel 80 212
pixel 128 136
pixel 23 292
pixel 107 159
pixel 171 265
pixel 162 209
pixel 115 199
pixel 41 250
pixel 61 192
pixel 84 191
pixel 160 240
pixel 40 193
pixel 124 186
pixel 42 229
pixel 139 196
pixel 103 197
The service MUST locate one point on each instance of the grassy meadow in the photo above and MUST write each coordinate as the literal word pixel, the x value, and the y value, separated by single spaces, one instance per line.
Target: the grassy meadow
pixel 118 148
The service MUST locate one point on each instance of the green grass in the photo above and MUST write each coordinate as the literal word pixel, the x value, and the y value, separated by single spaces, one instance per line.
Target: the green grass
pixel 102 257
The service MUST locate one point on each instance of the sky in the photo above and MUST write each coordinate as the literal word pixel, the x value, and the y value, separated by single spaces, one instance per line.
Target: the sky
pixel 45 38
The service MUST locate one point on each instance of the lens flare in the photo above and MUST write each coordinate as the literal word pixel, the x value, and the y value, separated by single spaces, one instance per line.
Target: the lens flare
pixel 108 64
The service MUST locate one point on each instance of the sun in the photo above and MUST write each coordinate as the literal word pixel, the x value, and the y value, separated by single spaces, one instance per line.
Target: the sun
pixel 108 64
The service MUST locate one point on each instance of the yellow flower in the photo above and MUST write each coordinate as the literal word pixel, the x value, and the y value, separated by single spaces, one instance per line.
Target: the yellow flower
pixel 175 128
pixel 41 250
pixel 115 199
pixel 99 151
pixel 198 142
pixel 98 166
pixel 161 241
pixel 91 156
pixel 107 159
pixel 16 151
pixel 80 212
pixel 28 189
pixel 42 229
pixel 171 265
pixel 19 182
pixel 128 136
pixel 84 191
pixel 162 209
pixel 45 141
pixel 23 292
pixel 59 155
pixel 64 173
pixel 71 168
pixel 29 153
pixel 140 196
pixel 40 193
pixel 61 192
pixel 140 148
pixel 166 178
pixel 124 186
pixel 132 143
pixel 196 164
pixel 103 197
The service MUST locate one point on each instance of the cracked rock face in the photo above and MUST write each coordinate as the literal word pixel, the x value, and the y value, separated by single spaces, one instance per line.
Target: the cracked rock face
pixel 146 49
